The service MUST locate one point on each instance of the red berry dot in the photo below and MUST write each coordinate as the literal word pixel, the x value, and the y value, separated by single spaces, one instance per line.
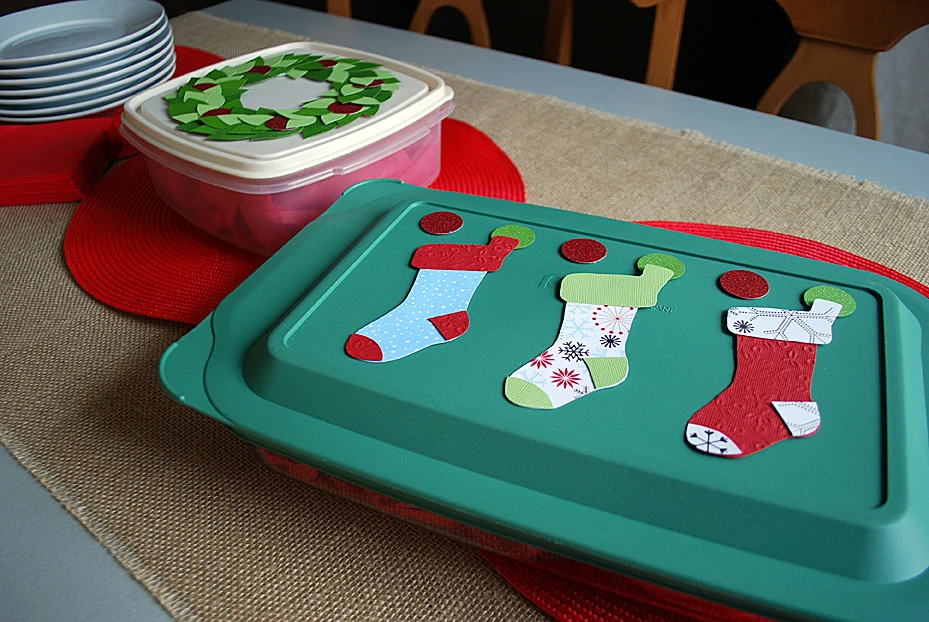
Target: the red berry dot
pixel 340 108
pixel 216 112
pixel 375 83
pixel 277 123
pixel 262 69
pixel 440 223
pixel 203 87
pixel 744 284
pixel 583 250
pixel 328 63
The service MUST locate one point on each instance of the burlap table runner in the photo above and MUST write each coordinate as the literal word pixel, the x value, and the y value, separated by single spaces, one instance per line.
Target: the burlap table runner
pixel 189 510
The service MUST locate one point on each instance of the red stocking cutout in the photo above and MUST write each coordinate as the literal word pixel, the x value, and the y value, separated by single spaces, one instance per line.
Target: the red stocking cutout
pixel 742 419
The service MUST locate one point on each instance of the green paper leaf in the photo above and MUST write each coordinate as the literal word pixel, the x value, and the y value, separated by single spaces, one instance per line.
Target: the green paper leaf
pixel 215 74
pixel 320 75
pixel 213 122
pixel 187 127
pixel 300 122
pixel 319 104
pixel 203 129
pixel 370 111
pixel 186 118
pixel 241 68
pixel 387 77
pixel 367 101
pixel 338 76
pixel 350 89
pixel 244 128
pixel 295 73
pixel 230 85
pixel 390 86
pixel 331 117
pixel 176 107
pixel 274 134
pixel 195 95
pixel 383 96
pixel 366 65
pixel 229 119
pixel 292 114
pixel 347 119
pixel 228 136
pixel 276 61
pixel 330 93
pixel 255 119
pixel 313 130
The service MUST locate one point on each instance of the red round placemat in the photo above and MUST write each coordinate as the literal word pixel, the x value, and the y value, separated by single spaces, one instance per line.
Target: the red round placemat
pixel 129 250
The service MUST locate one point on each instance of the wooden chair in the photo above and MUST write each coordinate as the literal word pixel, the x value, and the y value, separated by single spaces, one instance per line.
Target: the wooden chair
pixel 666 37
pixel 473 11
pixel 839 43
pixel 339 7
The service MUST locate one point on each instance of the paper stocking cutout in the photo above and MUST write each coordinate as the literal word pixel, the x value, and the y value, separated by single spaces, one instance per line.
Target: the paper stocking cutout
pixel 436 309
pixel 590 351
pixel 769 399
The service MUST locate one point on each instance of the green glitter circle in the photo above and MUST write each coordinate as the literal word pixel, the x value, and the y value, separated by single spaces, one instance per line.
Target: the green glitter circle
pixel 833 294
pixel 673 264
pixel 525 235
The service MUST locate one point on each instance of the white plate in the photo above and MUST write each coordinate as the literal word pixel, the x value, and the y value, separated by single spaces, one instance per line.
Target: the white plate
pixel 83 94
pixel 84 109
pixel 123 67
pixel 69 30
pixel 56 69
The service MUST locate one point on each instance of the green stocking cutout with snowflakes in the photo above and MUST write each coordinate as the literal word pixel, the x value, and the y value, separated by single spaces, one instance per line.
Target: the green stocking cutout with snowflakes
pixel 590 351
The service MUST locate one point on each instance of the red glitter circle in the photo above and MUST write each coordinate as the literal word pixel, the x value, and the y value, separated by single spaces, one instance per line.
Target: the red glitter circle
pixel 744 284
pixel 440 223
pixel 583 250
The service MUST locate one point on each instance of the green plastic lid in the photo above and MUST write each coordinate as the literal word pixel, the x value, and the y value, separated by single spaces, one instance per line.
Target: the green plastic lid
pixel 831 525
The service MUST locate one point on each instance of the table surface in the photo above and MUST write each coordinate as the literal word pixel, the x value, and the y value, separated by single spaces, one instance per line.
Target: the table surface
pixel 51 568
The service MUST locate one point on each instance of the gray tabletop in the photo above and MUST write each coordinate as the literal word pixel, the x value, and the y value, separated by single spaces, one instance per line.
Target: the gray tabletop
pixel 52 569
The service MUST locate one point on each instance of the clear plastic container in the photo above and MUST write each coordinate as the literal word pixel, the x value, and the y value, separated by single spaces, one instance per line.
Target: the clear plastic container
pixel 258 194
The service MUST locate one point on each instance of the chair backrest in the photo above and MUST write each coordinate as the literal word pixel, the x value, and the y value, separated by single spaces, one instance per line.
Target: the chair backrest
pixel 473 11
pixel 875 25
pixel 666 37
pixel 840 40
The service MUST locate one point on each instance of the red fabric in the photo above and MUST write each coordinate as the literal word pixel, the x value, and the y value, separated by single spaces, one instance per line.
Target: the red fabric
pixel 53 162
pixel 129 250
pixel 574 592
pixel 744 284
pixel 478 165
pixel 363 348
pixel 441 223
pixel 452 325
pixel 565 589
pixel 583 250
pixel 475 257
pixel 61 161
pixel 767 370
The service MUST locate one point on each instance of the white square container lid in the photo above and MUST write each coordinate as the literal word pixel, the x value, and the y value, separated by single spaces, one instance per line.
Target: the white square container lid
pixel 418 94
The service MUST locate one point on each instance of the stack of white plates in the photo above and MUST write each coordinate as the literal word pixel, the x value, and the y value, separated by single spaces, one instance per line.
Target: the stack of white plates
pixel 75 59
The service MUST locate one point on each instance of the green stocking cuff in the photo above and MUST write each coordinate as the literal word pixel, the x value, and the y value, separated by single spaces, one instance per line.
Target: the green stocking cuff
pixel 616 289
